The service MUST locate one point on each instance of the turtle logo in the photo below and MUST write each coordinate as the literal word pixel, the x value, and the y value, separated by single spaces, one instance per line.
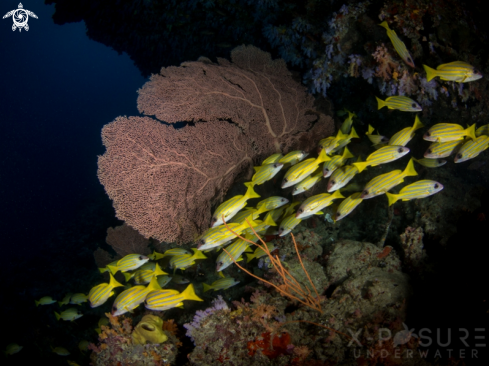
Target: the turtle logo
pixel 20 17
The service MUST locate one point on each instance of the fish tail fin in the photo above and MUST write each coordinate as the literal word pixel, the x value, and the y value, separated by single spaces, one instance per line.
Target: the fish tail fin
pixel 198 254
pixel 385 25
pixel 353 134
pixel 159 271
pixel 250 192
pixel 370 130
pixel 189 293
pixel 322 157
pixel 347 154
pixel 269 220
pixel 103 270
pixel 417 123
pixel 128 276
pixel 337 194
pixel 430 73
pixel 153 285
pixel 410 171
pixel 113 282
pixel 380 103
pixel 37 302
pixel 392 198
pixel 361 166
pixel 112 269
pixel 249 257
pixel 256 169
pixel 207 287
pixel 58 317
pixel 471 132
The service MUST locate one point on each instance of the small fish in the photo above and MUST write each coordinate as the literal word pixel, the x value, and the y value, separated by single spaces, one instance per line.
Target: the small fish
pixel 128 263
pixel 293 157
pixel 144 276
pixel 383 155
pixel 300 171
pixel 332 143
pixel 46 300
pixel 83 345
pixel 265 172
pixel 179 279
pixel 102 321
pixel 221 235
pixel 72 363
pixel 130 299
pixel 430 163
pixel 307 183
pixel 336 161
pixel 482 130
pixel 260 252
pixel 231 207
pixel 69 314
pixel 269 204
pixel 384 182
pixel 347 123
pixel 442 132
pixel 163 280
pixel 419 189
pixel 260 227
pixel 168 253
pixel 472 148
pixel 241 216
pixel 60 351
pixel 158 302
pixel 402 137
pixel 233 251
pixel 398 44
pixel 99 294
pixel 314 204
pixel 12 348
pixel 272 159
pixel 341 177
pixel 66 299
pixel 186 260
pixel 347 206
pixel 221 284
pixel 345 141
pixel 78 299
pixel 442 149
pixel 277 213
pixel 376 139
pixel 399 102
pixel 458 71
pixel 106 269
pixel 288 224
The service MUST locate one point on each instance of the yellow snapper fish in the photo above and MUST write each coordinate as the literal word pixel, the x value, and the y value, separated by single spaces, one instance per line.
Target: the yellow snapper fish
pixel 458 71
pixel 332 143
pixel 220 235
pixel 12 348
pixel 341 177
pixel 186 260
pixel 347 123
pixel 288 224
pixel 277 213
pixel 472 148
pixel 383 155
pixel 231 207
pixel 102 321
pixel 430 163
pixel 241 216
pixel 261 226
pixel 260 252
pixel 72 363
pixel 307 183
pixel 345 141
pixel 293 157
pixel 66 299
pixel 130 299
pixel 482 130
pixel 336 161
pixel 419 189
pixel 384 182
pixel 161 300
pixel 348 205
pixel 398 44
pixel 221 284
pixel 443 132
pixel 83 345
pixel 269 204
pixel 401 103
pixel 128 263
pixel 60 351
pixel 78 299
pixel 264 173
pixel 69 314
pixel 99 294
pixel 168 253
pixel 442 149
pixel 402 137
pixel 164 280
pixel 272 159
pixel 376 140
pixel 144 275
pixel 46 300
pixel 179 279
pixel 106 269
pixel 300 171
pixel 314 204
pixel 233 251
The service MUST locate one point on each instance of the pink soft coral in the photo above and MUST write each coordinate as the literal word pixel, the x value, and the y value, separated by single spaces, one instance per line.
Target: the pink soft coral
pixel 386 64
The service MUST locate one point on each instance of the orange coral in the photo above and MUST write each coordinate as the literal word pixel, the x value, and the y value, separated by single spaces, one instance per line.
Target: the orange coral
pixel 273 349
pixel 387 65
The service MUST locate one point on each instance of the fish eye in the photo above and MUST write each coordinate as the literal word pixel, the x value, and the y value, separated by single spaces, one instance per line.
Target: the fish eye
pixel 338 214
pixel 476 71
pixel 429 151
pixel 300 210
pixel 283 199
pixel 285 180
pixel 326 169
pixel 436 185
pixel 439 161
pixel 275 165
pixel 281 229
pixel 413 105
pixel 365 192
pixel 400 150
pixel 140 257
pixel 428 133
pixel 333 182
pixel 459 156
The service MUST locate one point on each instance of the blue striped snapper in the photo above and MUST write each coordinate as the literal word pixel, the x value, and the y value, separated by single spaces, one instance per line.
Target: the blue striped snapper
pixel 144 275
pixel 442 149
pixel 377 139
pixel 272 159
pixel 260 252
pixel 168 253
pixel 402 137
pixel 458 71
pixel 233 251
pixel 261 226
pixel 220 235
pixel 383 155
pixel 46 300
pixel 66 299
pixel 347 123
pixel 430 163
pixel 345 141
pixel 269 204
pixel 334 143
pixel 419 189
pixel 78 299
pixel 482 130
pixel 277 213
pixel 158 300
pixel 401 103
pixel 186 260
pixel 348 205
pixel 241 216
pixel 341 177
pixel 384 182
pixel 288 224
pixel 307 183
pixel 99 294
pixel 442 132
pixel 231 207
pixel 130 299
pixel 69 314
pixel 264 173
pixel 336 161
pixel 314 204
pixel 293 157
pixel 398 44
pixel 472 148
pixel 221 284
pixel 128 263
pixel 305 168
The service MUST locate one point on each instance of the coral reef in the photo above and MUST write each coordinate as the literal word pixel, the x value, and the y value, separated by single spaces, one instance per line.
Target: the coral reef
pixel 412 244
